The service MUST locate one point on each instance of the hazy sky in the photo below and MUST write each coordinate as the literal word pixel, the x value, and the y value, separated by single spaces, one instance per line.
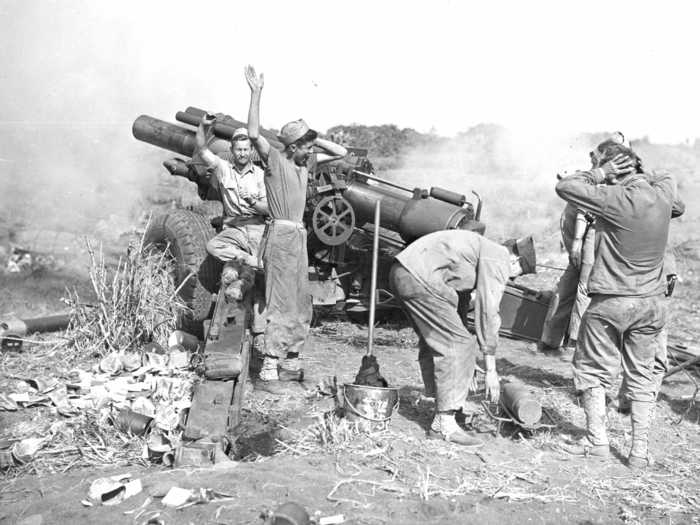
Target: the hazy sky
pixel 534 66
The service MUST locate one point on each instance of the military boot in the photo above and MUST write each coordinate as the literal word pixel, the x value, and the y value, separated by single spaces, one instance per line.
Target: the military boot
pixel 238 288
pixel 595 443
pixel 641 419
pixel 445 426
pixel 229 273
pixel 290 368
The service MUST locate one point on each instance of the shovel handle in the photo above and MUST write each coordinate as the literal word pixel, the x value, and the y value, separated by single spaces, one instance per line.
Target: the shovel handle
pixel 373 282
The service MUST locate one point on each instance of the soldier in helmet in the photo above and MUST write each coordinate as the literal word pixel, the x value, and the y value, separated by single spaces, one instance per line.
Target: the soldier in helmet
pixel 285 258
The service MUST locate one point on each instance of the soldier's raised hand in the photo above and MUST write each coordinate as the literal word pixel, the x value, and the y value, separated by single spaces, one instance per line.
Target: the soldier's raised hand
pixel 618 167
pixel 255 81
pixel 202 133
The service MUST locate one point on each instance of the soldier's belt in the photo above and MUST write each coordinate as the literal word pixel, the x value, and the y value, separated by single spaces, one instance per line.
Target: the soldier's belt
pixel 235 222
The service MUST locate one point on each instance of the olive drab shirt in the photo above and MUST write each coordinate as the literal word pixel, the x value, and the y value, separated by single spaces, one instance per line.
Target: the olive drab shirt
pixel 632 222
pixel 452 261
pixel 286 185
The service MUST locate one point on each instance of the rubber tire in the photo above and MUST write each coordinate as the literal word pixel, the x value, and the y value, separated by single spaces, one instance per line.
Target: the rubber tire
pixel 185 234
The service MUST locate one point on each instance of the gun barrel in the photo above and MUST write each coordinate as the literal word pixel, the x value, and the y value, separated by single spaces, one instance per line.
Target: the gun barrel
pixel 223 130
pixel 164 135
pixel 410 216
pixel 12 329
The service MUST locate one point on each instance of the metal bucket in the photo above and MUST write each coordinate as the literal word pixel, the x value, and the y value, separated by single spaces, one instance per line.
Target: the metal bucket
pixel 370 406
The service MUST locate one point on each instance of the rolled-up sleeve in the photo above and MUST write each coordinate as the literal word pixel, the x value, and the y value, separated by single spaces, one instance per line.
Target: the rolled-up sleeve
pixel 262 193
pixel 490 284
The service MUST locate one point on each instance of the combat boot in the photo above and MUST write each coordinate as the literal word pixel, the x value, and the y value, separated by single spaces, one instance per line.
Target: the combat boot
pixel 595 443
pixel 641 418
pixel 290 368
pixel 272 383
pixel 445 426
pixel 230 273
pixel 237 289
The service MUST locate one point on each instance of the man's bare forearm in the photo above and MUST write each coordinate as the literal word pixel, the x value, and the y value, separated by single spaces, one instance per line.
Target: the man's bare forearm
pixel 208 156
pixel 262 146
pixel 331 148
pixel 254 115
pixel 330 151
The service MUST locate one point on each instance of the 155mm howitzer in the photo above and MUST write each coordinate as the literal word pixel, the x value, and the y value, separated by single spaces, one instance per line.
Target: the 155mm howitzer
pixel 339 210
pixel 339 214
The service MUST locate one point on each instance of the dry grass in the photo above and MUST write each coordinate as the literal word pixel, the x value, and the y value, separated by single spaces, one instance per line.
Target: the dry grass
pixel 134 303
pixel 83 441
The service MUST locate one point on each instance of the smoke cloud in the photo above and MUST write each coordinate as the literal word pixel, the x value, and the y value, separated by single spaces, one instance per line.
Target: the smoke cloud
pixel 71 86
pixel 514 174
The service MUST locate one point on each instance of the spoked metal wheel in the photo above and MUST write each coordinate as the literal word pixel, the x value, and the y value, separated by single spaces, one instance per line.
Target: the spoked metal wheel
pixel 333 220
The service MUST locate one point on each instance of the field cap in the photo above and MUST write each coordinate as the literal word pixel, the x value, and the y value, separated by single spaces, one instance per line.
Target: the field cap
pixel 240 132
pixel 524 249
pixel 293 131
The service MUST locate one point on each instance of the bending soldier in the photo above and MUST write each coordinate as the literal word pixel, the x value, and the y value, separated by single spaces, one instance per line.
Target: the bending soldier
pixel 427 278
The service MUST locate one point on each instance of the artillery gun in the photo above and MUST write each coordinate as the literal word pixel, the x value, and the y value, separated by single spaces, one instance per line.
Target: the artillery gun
pixel 339 215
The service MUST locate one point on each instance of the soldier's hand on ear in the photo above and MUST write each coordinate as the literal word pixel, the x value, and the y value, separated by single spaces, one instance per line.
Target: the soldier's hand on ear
pixel 618 167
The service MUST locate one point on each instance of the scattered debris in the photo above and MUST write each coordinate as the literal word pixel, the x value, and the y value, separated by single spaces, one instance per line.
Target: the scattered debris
pixel 113 490
pixel 181 498
pixel 177 496
pixel 25 261
pixel 132 422
pixel 336 519
pixel 24 450
pixel 159 448
pixel 289 513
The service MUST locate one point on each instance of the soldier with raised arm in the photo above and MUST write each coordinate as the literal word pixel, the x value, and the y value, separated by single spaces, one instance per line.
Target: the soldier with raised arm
pixel 285 258
pixel 242 189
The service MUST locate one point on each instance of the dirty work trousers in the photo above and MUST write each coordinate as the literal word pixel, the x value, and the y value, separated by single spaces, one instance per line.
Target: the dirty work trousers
pixel 229 246
pixel 287 291
pixel 570 300
pixel 447 351
pixel 627 330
